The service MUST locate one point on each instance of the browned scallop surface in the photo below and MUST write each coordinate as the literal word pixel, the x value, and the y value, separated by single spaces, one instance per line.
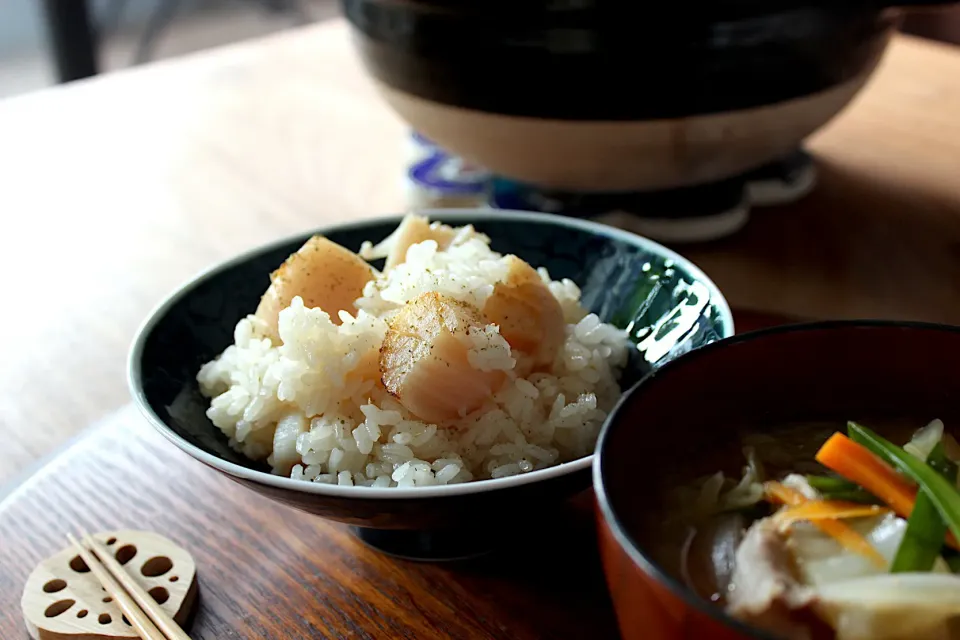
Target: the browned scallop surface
pixel 424 360
pixel 323 274
pixel 529 317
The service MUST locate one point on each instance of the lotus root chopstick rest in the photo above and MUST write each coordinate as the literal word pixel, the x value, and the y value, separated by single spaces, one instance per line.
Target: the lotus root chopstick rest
pixel 63 600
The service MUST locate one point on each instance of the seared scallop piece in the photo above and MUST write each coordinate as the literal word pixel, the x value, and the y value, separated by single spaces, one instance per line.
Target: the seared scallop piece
pixel 413 230
pixel 425 359
pixel 529 316
pixel 323 274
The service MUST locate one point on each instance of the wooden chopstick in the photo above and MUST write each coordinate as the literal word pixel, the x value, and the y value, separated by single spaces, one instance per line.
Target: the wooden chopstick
pixel 137 618
pixel 148 605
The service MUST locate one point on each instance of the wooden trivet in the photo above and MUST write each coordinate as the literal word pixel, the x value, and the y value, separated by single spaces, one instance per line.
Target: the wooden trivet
pixel 63 600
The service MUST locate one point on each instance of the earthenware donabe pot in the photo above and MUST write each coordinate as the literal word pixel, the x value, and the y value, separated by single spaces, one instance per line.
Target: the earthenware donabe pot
pixel 603 95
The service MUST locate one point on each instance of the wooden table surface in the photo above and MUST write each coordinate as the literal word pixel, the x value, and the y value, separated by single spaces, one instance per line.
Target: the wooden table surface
pixel 116 189
pixel 270 572
pixel 305 578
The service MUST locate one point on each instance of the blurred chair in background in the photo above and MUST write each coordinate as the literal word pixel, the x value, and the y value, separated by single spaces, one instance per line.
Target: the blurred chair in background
pixel 73 41
pixel 75 33
pixel 166 12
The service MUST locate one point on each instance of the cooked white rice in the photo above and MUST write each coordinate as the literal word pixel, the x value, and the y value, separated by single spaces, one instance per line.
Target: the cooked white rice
pixel 308 409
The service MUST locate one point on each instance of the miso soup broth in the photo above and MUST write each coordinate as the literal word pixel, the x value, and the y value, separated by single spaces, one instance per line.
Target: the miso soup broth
pixel 808 530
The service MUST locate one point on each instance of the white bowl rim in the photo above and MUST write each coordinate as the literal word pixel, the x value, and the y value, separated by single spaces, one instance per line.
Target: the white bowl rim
pixel 458 216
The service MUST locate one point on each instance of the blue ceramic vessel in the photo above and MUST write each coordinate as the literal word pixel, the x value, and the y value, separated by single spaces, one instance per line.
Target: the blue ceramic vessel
pixel 668 305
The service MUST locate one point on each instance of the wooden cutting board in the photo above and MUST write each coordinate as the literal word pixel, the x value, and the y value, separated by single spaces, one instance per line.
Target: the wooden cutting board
pixel 268 571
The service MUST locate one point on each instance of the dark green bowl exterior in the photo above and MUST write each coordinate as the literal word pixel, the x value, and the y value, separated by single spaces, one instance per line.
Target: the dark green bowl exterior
pixel 197 323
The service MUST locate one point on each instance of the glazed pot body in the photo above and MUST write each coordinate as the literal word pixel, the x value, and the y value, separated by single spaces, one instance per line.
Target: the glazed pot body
pixel 612 96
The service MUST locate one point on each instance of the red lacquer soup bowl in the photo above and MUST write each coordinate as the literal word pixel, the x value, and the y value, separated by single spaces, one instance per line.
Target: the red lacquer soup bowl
pixel 687 420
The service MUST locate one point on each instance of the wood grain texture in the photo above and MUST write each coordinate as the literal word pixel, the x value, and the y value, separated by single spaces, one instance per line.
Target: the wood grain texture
pixel 880 236
pixel 117 189
pixel 267 571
